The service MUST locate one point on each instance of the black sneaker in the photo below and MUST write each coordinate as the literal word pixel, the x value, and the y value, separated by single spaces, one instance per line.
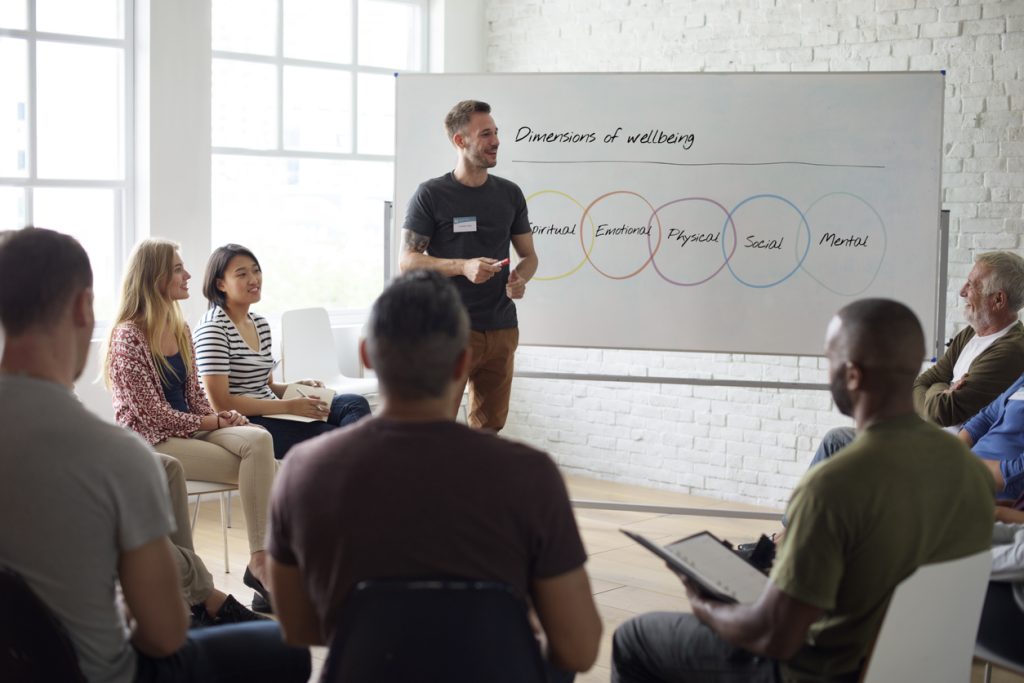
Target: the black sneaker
pixel 200 618
pixel 259 604
pixel 233 612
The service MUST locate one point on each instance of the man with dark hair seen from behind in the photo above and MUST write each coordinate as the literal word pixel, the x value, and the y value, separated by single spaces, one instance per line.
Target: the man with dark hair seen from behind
pixel 855 530
pixel 98 500
pixel 461 225
pixel 982 360
pixel 410 493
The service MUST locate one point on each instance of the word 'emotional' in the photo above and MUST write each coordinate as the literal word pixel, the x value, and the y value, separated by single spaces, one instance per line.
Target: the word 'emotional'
pixel 654 136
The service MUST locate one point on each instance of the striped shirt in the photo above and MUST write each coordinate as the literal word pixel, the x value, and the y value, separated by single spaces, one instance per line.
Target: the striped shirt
pixel 220 350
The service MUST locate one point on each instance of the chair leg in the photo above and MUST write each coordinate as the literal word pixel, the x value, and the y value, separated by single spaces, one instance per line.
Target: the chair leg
pixel 988 672
pixel 224 531
pixel 195 513
pixel 229 510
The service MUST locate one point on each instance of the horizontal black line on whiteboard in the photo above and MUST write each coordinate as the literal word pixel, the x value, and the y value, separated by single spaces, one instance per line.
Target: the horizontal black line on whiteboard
pixel 710 163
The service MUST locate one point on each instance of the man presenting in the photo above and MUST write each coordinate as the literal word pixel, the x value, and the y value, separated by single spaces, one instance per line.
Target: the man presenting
pixel 446 500
pixel 461 225
pixel 842 555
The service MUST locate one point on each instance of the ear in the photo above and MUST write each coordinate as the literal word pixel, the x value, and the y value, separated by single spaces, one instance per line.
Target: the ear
pixel 459 140
pixel 81 308
pixel 364 357
pixel 854 377
pixel 999 299
pixel 462 363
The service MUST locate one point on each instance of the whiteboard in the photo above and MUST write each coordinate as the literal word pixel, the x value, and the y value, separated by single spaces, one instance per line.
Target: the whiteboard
pixel 703 212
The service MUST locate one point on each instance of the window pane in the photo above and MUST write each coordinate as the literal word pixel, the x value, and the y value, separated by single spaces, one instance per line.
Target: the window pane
pixel 90 216
pixel 245 26
pixel 13 14
pixel 376 114
pixel 316 226
pixel 13 107
pixel 244 104
pixel 12 208
pixel 100 18
pixel 81 108
pixel 389 34
pixel 318 29
pixel 317 110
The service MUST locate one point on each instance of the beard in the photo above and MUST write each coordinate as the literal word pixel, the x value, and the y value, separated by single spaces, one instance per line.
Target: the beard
pixel 481 161
pixel 840 395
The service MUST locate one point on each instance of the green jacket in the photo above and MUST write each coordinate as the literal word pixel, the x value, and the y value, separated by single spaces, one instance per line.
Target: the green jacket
pixel 989 375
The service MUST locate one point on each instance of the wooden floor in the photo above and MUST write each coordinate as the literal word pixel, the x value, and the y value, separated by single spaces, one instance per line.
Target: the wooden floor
pixel 626 579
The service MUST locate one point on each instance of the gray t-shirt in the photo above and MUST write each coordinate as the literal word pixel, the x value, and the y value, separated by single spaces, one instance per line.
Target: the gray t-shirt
pixel 498 209
pixel 77 492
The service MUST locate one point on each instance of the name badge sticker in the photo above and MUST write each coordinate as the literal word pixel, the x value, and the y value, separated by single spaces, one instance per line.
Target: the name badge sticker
pixel 1017 395
pixel 464 224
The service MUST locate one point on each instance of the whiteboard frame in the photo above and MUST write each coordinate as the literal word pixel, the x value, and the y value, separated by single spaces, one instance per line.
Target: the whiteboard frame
pixel 937 311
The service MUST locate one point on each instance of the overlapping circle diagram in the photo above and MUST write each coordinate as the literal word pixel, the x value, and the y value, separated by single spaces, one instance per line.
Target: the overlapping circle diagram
pixel 839 240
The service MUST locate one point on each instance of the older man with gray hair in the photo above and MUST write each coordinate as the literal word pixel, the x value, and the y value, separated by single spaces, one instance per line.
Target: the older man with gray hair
pixel 980 362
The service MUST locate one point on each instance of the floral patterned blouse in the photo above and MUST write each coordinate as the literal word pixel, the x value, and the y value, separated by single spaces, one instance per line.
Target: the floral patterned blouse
pixel 139 402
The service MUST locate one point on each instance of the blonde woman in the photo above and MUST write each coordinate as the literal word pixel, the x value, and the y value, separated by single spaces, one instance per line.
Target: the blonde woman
pixel 151 371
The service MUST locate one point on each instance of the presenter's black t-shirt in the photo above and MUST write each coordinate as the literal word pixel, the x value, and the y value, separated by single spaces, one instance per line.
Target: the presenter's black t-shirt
pixel 445 210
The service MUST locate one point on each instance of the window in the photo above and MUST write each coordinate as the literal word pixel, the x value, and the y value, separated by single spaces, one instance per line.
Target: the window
pixel 303 139
pixel 65 134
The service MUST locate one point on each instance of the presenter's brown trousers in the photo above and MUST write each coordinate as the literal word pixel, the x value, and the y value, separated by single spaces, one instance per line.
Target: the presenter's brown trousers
pixel 490 377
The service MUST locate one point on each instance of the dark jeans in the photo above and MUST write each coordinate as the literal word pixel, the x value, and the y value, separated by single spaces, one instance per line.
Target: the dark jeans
pixel 673 646
pixel 247 653
pixel 345 409
pixel 1002 622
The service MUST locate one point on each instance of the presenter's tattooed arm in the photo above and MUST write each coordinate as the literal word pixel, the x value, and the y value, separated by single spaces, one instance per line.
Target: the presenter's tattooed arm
pixel 415 256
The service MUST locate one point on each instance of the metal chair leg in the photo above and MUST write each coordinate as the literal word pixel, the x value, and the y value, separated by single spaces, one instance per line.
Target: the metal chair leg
pixel 195 513
pixel 224 530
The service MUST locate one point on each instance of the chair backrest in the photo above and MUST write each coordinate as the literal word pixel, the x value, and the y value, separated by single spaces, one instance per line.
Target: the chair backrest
pixel 929 628
pixel 425 631
pixel 307 345
pixel 34 647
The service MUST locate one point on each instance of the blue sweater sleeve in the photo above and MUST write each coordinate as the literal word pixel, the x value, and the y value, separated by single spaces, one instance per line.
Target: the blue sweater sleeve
pixel 979 425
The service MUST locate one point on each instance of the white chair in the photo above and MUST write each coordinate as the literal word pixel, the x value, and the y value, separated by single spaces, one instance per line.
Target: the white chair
pixel 932 621
pixel 308 352
pixel 198 488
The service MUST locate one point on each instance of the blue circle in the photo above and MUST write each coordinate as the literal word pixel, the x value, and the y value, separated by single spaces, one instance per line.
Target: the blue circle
pixel 803 221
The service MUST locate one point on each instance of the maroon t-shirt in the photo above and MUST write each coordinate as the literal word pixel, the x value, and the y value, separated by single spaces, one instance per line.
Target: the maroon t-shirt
pixel 385 499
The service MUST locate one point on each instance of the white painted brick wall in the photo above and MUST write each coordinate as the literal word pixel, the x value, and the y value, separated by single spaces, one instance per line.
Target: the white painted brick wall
pixel 749 444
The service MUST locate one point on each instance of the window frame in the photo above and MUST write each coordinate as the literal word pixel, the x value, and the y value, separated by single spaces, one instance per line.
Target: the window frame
pixel 123 189
pixel 354 69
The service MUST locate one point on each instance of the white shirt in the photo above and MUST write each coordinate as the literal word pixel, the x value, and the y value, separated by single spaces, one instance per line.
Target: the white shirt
pixel 974 348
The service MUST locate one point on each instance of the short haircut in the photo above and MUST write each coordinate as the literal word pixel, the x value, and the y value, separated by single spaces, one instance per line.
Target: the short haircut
pixel 458 118
pixel 882 334
pixel 40 271
pixel 417 328
pixel 1006 273
pixel 215 267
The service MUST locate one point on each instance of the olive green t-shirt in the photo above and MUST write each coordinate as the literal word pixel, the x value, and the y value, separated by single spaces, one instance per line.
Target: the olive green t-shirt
pixel 903 494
